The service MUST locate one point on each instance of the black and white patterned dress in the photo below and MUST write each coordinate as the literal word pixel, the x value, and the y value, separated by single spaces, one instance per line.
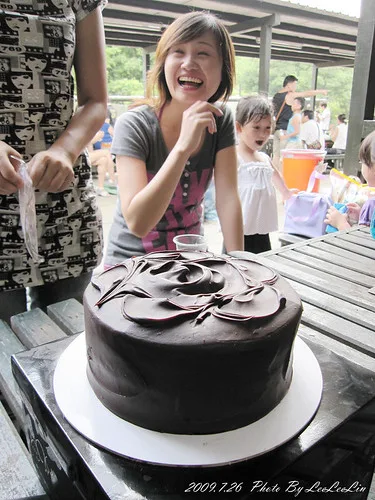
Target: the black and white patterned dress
pixel 37 42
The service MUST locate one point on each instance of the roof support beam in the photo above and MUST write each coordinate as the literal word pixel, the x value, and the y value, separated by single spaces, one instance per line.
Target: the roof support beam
pixel 254 23
pixel 314 83
pixel 291 10
pixel 265 23
pixel 265 58
pixel 150 49
pixel 360 86
pixel 146 69
pixel 338 62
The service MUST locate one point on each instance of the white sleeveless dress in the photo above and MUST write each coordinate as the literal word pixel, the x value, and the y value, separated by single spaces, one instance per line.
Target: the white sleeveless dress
pixel 258 196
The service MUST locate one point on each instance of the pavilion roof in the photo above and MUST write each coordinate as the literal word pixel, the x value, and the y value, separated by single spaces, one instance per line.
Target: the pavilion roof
pixel 299 33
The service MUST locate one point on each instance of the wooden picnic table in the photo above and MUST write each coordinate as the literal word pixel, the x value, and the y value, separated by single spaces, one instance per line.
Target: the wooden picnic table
pixel 335 276
pixel 337 160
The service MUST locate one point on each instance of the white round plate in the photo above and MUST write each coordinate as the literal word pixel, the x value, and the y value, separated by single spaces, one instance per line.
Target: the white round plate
pixel 90 417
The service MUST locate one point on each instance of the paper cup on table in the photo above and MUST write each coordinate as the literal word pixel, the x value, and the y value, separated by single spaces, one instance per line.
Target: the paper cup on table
pixel 191 242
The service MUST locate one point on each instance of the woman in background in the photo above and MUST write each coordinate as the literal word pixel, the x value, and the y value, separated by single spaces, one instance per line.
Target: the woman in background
pixel 339 135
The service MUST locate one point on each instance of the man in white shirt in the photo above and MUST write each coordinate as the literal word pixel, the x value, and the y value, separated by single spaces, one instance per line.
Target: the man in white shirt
pixel 324 116
pixel 310 130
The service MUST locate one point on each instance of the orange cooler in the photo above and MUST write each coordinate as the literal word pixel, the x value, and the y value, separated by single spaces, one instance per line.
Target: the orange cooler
pixel 298 165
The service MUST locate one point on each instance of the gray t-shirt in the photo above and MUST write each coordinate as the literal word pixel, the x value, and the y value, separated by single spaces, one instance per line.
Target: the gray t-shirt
pixel 138 134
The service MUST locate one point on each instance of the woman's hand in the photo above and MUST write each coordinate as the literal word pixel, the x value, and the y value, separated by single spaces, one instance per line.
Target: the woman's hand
pixel 337 219
pixel 10 180
pixel 195 120
pixel 51 170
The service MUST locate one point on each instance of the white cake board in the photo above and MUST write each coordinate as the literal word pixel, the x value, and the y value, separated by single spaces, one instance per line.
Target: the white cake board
pixel 91 418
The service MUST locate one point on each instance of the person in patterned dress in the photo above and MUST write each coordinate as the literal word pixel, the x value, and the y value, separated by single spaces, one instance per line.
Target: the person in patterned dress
pixel 40 43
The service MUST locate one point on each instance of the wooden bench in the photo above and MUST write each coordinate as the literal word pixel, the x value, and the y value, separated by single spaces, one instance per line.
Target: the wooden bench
pixel 336 161
pixel 19 479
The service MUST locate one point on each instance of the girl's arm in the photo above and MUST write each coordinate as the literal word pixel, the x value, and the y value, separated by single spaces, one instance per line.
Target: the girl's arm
pixel 280 185
pixel 144 203
pixel 52 170
pixel 228 203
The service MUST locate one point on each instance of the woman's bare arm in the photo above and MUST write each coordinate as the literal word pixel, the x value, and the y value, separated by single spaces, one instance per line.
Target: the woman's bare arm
pixel 228 203
pixel 144 203
pixel 52 170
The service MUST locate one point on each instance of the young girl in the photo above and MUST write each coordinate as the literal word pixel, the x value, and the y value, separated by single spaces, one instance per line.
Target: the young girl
pixel 355 212
pixel 167 148
pixel 256 173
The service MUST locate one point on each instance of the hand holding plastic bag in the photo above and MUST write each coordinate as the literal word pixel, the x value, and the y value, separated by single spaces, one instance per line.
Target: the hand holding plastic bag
pixel 26 198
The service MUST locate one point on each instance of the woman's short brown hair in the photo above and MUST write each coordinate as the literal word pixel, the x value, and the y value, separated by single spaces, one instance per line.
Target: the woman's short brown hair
pixel 184 29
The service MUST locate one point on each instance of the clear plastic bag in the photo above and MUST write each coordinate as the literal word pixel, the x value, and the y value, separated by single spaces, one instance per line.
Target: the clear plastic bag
pixel 26 198
pixel 348 189
pixel 345 189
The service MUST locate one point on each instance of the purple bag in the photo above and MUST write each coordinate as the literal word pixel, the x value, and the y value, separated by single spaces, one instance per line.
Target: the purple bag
pixel 305 213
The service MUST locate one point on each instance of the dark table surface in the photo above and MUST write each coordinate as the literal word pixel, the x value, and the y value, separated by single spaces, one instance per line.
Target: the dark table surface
pixel 347 388
pixel 337 447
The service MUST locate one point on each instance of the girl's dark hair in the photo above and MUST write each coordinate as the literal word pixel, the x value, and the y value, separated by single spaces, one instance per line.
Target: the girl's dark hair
pixel 342 118
pixel 253 107
pixel 367 150
pixel 184 29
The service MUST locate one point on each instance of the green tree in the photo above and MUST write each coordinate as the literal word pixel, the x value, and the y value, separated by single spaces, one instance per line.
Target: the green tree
pixel 338 82
pixel 125 77
pixel 246 76
pixel 124 69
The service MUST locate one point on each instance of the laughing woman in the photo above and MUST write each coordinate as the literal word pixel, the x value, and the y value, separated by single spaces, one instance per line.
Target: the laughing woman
pixel 167 147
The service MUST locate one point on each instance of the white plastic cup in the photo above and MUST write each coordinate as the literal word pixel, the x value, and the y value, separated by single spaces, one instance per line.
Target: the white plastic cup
pixel 190 242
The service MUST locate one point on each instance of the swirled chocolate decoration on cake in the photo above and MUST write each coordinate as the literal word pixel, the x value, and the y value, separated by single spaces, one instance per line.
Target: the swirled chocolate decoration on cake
pixel 171 286
pixel 190 342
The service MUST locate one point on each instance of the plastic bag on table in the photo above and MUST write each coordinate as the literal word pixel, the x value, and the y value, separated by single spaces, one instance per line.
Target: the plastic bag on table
pixel 26 198
pixel 365 193
pixel 345 189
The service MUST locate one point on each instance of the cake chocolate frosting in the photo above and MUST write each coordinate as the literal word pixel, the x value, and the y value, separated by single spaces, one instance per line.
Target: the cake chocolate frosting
pixel 190 342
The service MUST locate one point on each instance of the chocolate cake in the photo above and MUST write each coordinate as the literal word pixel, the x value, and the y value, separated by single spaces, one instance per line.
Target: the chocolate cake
pixel 190 342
